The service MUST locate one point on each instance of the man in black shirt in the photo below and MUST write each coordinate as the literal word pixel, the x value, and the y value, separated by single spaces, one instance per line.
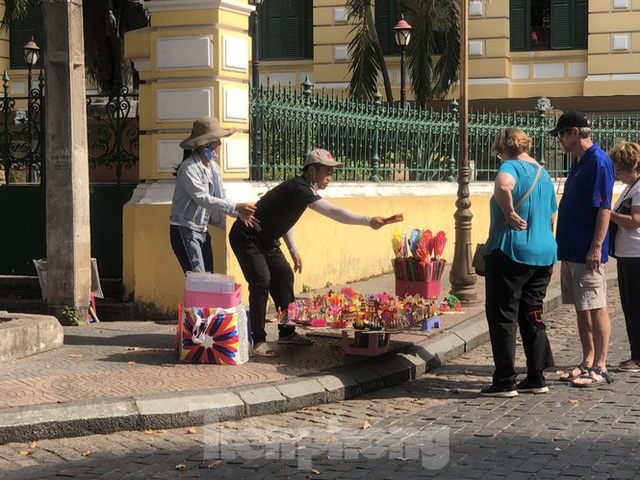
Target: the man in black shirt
pixel 263 263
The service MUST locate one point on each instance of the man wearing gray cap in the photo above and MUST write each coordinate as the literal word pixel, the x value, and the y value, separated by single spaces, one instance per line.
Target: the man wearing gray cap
pixel 257 248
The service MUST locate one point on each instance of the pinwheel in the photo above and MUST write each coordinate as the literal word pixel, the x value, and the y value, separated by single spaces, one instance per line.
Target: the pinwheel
pixel 396 242
pixel 414 237
pixel 439 241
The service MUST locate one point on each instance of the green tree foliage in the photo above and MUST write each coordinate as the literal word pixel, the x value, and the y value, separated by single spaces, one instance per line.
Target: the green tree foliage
pixel 434 22
pixel 105 23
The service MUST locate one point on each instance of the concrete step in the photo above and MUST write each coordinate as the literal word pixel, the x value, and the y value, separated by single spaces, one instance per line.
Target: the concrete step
pixel 106 309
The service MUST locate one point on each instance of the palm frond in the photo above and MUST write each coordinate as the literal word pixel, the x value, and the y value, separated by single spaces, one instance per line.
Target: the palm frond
pixel 430 19
pixel 15 10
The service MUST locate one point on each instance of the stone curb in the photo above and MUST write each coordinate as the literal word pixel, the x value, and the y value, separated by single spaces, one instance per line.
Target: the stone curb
pixel 24 424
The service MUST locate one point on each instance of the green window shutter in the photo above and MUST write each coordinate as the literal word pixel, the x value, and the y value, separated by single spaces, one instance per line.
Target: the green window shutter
pixel 286 28
pixel 21 32
pixel 387 14
pixel 582 24
pixel 384 26
pixel 561 25
pixel 519 25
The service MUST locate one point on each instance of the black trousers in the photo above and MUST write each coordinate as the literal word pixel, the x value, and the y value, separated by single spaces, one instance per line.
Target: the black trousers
pixel 514 297
pixel 629 286
pixel 267 271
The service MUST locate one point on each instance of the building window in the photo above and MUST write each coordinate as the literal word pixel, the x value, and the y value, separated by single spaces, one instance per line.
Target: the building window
pixel 549 24
pixel 286 29
pixel 21 32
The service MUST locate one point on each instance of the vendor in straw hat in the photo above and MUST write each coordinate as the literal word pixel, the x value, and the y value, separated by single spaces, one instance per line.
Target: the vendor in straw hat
pixel 199 198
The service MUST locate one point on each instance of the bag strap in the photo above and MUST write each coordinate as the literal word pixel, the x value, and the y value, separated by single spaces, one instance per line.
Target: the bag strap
pixel 503 222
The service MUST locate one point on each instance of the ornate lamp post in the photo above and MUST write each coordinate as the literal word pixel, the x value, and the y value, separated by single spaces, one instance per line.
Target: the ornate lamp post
pixel 256 136
pixel 462 277
pixel 31 57
pixel 402 36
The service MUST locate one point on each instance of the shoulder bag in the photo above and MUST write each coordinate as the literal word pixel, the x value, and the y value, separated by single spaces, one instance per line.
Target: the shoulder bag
pixel 479 261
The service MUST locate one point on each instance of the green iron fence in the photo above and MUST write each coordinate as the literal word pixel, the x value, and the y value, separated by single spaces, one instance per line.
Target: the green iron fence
pixel 377 142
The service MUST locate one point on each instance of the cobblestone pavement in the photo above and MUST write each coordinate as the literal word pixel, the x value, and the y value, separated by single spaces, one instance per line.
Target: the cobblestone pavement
pixel 436 426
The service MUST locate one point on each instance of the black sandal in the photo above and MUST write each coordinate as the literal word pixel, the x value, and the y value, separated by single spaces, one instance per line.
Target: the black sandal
pixel 570 377
pixel 605 379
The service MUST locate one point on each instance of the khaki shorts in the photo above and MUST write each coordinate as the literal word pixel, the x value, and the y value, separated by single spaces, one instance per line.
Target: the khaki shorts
pixel 585 290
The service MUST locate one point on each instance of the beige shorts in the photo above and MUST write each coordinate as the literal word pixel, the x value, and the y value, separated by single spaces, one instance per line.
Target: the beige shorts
pixel 585 290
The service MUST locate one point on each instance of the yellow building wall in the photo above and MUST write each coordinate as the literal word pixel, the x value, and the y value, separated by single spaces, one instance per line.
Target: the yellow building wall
pixel 494 71
pixel 330 251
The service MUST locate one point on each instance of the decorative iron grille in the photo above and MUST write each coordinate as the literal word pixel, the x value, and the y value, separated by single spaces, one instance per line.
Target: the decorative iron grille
pixel 112 126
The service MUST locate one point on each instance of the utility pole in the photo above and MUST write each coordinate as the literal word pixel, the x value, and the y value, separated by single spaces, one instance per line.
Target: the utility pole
pixel 67 186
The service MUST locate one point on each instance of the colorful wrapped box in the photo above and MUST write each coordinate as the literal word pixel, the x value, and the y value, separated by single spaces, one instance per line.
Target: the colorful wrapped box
pixel 214 335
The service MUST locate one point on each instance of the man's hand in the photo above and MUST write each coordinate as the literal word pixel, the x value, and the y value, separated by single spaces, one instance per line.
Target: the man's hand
pixel 245 213
pixel 593 258
pixel 297 262
pixel 377 222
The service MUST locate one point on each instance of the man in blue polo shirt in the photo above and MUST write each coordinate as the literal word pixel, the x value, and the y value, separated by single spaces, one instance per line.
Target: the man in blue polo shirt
pixel 583 245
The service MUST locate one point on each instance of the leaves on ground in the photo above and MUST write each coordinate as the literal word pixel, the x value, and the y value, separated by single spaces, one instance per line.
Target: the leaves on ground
pixel 191 431
pixel 573 401
pixel 214 464
pixel 33 444
pixel 366 425
pixel 76 355
pixel 24 453
pixel 148 432
pixel 181 466
pixel 133 349
pixel 86 453
pixel 131 363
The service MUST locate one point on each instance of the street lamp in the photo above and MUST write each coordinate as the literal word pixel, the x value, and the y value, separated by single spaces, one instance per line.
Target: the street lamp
pixel 255 84
pixel 31 57
pixel 462 277
pixel 402 35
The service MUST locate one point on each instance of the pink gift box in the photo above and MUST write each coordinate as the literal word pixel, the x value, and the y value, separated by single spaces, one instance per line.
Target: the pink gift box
pixel 194 298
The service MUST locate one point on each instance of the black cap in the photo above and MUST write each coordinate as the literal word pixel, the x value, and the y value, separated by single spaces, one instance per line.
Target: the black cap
pixel 571 119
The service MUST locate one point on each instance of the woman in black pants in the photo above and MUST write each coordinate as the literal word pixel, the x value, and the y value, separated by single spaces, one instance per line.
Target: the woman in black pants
pixel 521 252
pixel 626 215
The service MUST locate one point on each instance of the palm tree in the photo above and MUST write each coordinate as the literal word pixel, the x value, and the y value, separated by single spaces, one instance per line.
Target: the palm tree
pixel 434 22
pixel 105 23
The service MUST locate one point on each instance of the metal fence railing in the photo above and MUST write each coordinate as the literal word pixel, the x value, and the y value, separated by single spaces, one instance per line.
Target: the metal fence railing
pixel 390 143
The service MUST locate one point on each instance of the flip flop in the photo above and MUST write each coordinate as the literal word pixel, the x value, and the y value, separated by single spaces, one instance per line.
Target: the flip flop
pixel 263 349
pixel 604 379
pixel 570 377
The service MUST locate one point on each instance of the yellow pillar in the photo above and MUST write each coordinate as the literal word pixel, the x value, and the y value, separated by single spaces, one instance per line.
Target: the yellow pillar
pixel 193 61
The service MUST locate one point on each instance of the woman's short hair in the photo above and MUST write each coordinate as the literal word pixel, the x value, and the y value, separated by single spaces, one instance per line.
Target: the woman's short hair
pixel 511 142
pixel 625 156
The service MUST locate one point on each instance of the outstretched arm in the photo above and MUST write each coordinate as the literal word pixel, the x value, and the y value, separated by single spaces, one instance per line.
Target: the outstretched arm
pixel 342 215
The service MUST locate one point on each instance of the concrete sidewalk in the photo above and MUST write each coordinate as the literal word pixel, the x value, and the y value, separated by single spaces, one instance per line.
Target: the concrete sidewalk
pixel 125 376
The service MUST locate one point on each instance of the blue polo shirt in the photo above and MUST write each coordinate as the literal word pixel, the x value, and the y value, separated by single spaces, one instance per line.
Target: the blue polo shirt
pixel 588 188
